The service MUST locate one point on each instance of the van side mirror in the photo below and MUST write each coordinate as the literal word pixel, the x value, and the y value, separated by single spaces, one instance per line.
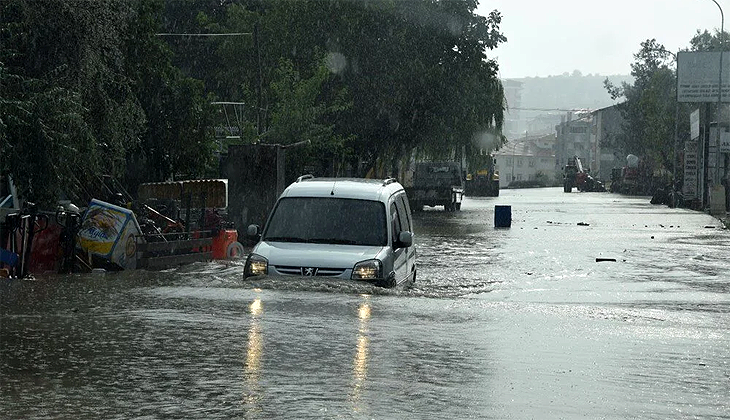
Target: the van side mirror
pixel 253 231
pixel 405 239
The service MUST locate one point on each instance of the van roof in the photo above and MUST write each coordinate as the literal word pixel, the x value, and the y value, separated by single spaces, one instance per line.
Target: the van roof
pixel 357 188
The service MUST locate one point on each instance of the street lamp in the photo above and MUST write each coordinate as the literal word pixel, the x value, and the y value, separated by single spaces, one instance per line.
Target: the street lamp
pixel 514 152
pixel 719 90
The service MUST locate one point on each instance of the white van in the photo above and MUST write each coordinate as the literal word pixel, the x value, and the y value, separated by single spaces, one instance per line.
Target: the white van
pixel 355 229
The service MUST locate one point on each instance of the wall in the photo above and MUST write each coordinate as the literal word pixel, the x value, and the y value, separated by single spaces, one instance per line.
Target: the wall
pixel 608 125
pixel 251 171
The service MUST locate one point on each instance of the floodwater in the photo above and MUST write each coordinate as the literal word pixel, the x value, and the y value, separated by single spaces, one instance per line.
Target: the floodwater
pixel 515 323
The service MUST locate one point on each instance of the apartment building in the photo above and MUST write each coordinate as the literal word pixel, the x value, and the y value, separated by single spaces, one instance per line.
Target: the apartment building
pixel 526 159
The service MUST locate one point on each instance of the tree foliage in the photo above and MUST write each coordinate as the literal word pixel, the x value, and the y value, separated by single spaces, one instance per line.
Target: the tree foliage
pixel 649 106
pixel 88 89
pixel 415 74
pixel 92 87
pixel 67 104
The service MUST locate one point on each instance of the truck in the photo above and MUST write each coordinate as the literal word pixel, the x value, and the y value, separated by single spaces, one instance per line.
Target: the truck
pixel 483 183
pixel 575 175
pixel 630 179
pixel 436 184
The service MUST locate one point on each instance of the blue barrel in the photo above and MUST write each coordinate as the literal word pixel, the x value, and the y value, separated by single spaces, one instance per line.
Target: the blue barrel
pixel 9 258
pixel 502 216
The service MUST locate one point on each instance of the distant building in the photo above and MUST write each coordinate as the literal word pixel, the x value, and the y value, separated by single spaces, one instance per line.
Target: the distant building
pixel 512 127
pixel 574 138
pixel 543 124
pixel 526 159
pixel 607 126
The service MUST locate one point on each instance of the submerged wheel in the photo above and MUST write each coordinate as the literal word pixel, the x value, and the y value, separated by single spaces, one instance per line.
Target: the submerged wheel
pixel 235 250
pixel 389 282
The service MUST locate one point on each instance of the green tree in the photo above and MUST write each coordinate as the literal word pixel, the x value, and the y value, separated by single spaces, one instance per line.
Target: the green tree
pixel 649 106
pixel 177 139
pixel 650 103
pixel 301 115
pixel 416 73
pixel 88 89
pixel 65 94
pixel 44 137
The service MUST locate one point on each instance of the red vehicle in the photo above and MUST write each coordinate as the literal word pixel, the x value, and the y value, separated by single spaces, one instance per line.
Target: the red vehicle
pixel 574 175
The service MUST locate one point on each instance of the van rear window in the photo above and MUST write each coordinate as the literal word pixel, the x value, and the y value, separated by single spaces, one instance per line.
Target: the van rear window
pixel 328 221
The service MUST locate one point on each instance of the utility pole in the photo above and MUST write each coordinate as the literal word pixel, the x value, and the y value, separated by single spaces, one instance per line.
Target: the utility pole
pixel 259 101
pixel 716 175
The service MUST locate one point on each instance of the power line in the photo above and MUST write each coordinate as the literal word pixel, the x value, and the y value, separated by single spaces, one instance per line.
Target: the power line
pixel 206 35
pixel 550 109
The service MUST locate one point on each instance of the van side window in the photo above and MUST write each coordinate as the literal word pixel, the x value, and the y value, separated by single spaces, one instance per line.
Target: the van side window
pixel 395 220
pixel 403 212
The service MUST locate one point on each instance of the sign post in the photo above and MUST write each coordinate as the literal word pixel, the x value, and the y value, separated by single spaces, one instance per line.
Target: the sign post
pixel 694 124
pixel 689 189
pixel 699 79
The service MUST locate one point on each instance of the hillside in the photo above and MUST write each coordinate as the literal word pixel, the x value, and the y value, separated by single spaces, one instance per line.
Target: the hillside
pixel 536 104
pixel 567 91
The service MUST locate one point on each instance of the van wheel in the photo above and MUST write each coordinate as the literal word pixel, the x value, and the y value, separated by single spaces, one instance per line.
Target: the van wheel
pixel 234 250
pixel 389 282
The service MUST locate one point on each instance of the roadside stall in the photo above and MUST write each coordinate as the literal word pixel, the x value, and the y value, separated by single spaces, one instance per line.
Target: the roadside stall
pixel 185 221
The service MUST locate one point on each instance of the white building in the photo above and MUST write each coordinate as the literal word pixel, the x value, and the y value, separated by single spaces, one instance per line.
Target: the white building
pixel 513 125
pixel 526 159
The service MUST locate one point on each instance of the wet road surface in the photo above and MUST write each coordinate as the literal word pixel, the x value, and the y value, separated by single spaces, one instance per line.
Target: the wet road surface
pixel 514 323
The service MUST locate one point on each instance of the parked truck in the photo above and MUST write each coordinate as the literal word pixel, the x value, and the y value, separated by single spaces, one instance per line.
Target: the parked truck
pixel 631 179
pixel 437 184
pixel 484 183
pixel 575 175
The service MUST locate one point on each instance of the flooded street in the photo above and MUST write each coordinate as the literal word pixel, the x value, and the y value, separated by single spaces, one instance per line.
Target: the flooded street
pixel 514 323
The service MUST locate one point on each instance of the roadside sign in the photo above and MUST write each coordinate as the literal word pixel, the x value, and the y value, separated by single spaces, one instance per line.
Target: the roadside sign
pixel 109 231
pixel 694 124
pixel 724 142
pixel 689 189
pixel 698 76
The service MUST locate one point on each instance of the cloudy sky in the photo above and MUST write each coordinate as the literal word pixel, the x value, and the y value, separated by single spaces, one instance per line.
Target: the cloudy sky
pixel 550 37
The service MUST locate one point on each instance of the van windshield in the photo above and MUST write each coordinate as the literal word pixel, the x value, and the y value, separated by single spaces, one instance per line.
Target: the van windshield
pixel 328 221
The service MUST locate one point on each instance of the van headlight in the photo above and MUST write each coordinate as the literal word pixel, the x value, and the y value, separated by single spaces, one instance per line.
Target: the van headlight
pixel 256 265
pixel 368 270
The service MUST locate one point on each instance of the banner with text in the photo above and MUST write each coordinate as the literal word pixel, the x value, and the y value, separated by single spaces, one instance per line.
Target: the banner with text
pixel 694 124
pixel 689 189
pixel 698 76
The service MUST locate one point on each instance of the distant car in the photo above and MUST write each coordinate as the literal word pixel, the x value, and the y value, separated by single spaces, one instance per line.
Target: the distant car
pixel 355 229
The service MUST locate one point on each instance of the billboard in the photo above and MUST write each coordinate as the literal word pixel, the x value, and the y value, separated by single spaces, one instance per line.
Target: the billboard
pixel 698 76
pixel 109 231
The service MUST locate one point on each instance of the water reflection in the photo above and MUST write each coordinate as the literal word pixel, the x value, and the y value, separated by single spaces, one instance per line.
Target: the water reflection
pixel 360 363
pixel 254 351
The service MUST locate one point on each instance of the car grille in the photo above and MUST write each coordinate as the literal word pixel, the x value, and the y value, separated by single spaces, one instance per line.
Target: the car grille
pixel 309 271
